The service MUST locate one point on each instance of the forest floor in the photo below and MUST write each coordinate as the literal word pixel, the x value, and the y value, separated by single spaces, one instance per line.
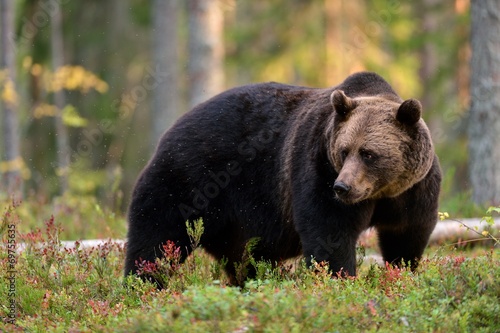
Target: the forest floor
pixel 51 287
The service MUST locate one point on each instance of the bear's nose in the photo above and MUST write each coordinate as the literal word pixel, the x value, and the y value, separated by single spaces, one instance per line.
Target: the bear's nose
pixel 341 188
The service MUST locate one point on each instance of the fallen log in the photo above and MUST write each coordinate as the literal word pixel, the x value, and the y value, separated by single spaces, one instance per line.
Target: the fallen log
pixel 463 230
pixel 455 231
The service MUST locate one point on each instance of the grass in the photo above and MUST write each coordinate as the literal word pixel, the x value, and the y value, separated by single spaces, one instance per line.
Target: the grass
pixel 80 215
pixel 82 290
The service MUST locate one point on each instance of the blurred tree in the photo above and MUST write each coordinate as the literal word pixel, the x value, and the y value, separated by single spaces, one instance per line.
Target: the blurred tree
pixel 165 85
pixel 264 42
pixel 12 162
pixel 206 50
pixel 429 24
pixel 336 68
pixel 484 123
pixel 62 138
pixel 441 37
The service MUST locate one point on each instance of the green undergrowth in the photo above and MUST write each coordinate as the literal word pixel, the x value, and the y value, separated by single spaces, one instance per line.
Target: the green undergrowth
pixel 80 216
pixel 56 289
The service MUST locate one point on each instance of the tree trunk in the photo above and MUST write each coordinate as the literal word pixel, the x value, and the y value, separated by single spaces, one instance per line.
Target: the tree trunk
pixel 166 87
pixel 206 50
pixel 429 26
pixel 62 140
pixel 12 161
pixel 484 123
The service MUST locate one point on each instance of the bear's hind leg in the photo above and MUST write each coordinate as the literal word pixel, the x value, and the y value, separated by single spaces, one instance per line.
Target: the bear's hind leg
pixel 147 249
pixel 150 228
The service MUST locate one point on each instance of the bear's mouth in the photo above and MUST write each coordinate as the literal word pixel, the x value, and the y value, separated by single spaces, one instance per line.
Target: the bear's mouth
pixel 353 197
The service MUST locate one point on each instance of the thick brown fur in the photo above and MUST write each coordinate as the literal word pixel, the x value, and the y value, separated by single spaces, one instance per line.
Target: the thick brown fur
pixel 304 170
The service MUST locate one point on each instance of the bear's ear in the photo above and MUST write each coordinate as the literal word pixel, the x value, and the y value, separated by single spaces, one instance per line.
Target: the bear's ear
pixel 341 103
pixel 409 112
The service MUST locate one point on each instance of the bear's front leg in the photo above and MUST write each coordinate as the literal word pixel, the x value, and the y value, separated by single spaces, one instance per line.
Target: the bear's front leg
pixel 330 234
pixel 334 247
pixel 405 223
pixel 404 246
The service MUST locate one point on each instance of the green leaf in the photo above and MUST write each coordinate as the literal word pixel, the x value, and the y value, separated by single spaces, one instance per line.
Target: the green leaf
pixel 489 220
pixel 493 209
pixel 71 117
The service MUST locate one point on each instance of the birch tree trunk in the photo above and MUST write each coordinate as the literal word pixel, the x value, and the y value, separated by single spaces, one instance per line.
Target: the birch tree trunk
pixel 62 140
pixel 484 122
pixel 206 50
pixel 12 161
pixel 166 86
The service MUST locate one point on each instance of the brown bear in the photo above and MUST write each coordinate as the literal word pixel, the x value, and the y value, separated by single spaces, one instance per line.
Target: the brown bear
pixel 303 170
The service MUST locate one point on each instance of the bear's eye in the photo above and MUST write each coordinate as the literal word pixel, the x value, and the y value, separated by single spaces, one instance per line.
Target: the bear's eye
pixel 368 156
pixel 343 154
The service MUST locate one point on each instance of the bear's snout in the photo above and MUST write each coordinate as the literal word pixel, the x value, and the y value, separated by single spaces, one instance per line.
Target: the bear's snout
pixel 352 185
pixel 341 188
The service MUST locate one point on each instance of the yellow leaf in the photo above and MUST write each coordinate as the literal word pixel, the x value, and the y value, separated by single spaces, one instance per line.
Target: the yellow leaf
pixel 27 62
pixel 101 87
pixel 71 117
pixel 75 78
pixel 16 164
pixel 36 70
pixel 443 215
pixel 9 94
pixel 12 165
pixel 44 110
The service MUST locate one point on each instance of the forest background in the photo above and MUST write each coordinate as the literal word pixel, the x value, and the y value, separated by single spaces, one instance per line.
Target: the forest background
pixel 97 82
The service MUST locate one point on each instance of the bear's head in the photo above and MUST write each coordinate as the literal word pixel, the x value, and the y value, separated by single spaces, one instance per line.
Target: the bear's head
pixel 379 146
